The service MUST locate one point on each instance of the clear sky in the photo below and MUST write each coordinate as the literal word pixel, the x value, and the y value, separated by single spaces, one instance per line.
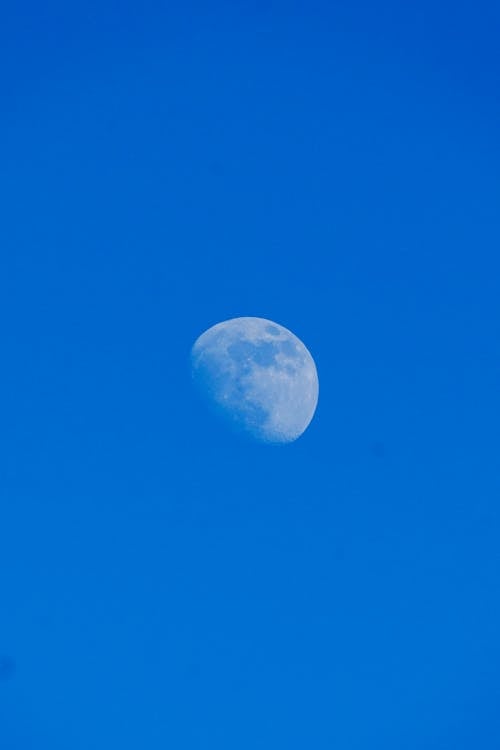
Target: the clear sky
pixel 334 167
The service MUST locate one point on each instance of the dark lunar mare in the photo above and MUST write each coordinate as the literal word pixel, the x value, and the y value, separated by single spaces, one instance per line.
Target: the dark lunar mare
pixel 211 381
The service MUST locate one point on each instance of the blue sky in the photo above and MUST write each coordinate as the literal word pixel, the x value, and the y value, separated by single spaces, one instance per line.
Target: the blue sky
pixel 335 168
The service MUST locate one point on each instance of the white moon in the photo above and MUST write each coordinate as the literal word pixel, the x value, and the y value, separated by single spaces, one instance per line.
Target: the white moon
pixel 258 376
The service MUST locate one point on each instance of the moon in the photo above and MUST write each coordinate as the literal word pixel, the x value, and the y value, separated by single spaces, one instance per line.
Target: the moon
pixel 258 376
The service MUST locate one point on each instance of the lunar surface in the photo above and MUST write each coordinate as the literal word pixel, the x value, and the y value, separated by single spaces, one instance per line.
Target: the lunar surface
pixel 258 376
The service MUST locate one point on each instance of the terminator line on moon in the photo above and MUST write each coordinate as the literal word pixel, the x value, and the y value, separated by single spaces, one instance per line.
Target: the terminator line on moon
pixel 258 376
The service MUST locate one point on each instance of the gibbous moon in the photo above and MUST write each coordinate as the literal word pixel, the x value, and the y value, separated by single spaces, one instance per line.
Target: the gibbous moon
pixel 258 376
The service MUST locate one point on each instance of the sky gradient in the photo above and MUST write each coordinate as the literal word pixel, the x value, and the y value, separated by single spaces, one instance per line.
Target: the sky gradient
pixel 335 168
